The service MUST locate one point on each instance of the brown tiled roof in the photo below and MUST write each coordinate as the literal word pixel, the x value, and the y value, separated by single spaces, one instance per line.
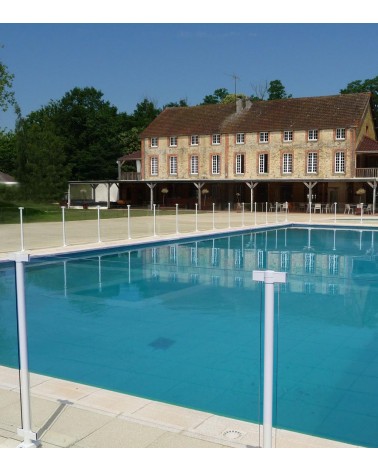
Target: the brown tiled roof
pixel 130 157
pixel 185 121
pixel 272 115
pixel 367 145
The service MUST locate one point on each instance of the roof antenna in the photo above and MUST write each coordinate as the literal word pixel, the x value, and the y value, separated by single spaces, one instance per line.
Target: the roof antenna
pixel 235 77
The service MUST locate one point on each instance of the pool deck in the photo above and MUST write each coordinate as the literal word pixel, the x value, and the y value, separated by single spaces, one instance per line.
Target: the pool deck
pixel 70 415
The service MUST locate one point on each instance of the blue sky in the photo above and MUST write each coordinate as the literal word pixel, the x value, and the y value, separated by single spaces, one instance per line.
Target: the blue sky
pixel 168 61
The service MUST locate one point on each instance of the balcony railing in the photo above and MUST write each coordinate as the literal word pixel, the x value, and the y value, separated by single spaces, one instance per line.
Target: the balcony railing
pixel 368 172
pixel 130 176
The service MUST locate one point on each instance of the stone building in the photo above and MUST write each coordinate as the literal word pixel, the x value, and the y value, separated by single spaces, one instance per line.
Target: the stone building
pixel 298 150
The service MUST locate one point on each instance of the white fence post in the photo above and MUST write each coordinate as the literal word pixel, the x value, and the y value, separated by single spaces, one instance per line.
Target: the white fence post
pixel 196 217
pixel 229 215
pixel 128 222
pixel 98 224
pixel 22 229
pixel 269 277
pixel 30 437
pixel 154 219
pixel 64 226
pixel 177 228
pixel 213 216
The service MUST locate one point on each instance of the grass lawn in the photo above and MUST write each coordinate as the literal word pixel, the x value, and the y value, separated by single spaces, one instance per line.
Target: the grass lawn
pixel 45 212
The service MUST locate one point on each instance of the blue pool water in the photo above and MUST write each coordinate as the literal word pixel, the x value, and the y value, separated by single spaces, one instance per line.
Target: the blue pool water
pixel 181 323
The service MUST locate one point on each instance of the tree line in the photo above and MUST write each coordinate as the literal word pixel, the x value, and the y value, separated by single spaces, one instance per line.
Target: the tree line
pixel 81 135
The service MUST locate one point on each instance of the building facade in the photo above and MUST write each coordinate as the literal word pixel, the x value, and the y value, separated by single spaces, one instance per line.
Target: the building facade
pixel 298 150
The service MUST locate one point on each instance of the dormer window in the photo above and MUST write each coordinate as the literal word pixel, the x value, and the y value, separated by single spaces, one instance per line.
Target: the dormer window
pixel 216 139
pixel 194 140
pixel 154 142
pixel 173 141
pixel 340 133
pixel 239 138
pixel 312 134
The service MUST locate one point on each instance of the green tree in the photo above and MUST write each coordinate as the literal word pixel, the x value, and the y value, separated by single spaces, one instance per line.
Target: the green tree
pixel 144 113
pixel 277 91
pixel 45 172
pixel 231 98
pixel 6 93
pixel 368 85
pixel 181 103
pixel 217 97
pixel 130 140
pixel 8 152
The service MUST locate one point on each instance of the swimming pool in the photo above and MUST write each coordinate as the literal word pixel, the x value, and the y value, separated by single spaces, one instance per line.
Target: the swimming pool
pixel 181 323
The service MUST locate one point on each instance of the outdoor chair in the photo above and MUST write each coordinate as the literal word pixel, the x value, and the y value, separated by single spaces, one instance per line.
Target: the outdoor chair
pixel 318 207
pixel 327 208
pixel 348 209
pixel 369 208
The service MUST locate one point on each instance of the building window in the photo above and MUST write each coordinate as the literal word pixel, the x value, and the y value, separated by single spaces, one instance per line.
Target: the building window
pixel 340 133
pixel 312 134
pixel 239 167
pixel 194 165
pixel 264 137
pixel 215 165
pixel 288 136
pixel 173 141
pixel 194 140
pixel 154 166
pixel 154 142
pixel 263 163
pixel 287 167
pixel 312 162
pixel 239 138
pixel 216 139
pixel 339 162
pixel 173 165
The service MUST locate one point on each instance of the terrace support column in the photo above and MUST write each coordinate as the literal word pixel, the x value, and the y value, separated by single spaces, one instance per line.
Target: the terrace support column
pixel 310 186
pixel 151 187
pixel 199 186
pixel 373 185
pixel 251 185
pixel 94 186
pixel 108 196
